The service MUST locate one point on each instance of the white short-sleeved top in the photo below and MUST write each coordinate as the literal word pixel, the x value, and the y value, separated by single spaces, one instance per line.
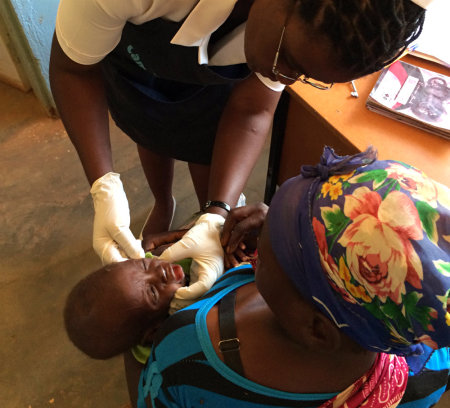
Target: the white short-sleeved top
pixel 88 30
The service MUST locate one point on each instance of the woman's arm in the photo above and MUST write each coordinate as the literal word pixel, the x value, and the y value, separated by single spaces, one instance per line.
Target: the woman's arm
pixel 80 98
pixel 242 131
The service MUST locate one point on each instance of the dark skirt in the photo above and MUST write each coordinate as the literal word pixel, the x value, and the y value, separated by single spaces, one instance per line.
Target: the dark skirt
pixel 169 118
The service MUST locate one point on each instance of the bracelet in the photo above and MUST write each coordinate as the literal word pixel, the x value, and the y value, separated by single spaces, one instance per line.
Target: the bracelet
pixel 220 204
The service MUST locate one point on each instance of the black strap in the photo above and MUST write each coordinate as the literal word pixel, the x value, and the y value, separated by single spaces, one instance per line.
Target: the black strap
pixel 220 204
pixel 229 343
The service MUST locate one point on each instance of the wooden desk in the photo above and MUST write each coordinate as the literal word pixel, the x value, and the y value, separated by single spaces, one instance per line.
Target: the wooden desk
pixel 307 119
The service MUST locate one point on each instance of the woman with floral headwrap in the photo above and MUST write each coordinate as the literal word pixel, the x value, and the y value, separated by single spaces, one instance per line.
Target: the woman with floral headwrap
pixel 348 305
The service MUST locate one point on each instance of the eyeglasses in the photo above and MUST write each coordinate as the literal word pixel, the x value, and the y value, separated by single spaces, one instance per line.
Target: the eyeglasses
pixel 298 77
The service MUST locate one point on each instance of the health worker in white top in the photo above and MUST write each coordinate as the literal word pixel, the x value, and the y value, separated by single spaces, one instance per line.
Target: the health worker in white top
pixel 199 81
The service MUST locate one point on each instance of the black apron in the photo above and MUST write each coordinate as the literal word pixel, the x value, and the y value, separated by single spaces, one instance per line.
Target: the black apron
pixel 161 97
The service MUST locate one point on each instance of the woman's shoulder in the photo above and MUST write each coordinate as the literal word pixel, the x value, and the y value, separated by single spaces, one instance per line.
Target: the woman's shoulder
pixel 87 30
pixel 234 276
pixel 184 320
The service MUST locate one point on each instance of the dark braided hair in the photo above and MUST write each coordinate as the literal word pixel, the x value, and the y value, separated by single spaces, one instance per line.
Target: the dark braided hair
pixel 367 34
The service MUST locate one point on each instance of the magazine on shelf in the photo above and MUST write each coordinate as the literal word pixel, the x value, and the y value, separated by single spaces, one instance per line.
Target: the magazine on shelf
pixel 413 95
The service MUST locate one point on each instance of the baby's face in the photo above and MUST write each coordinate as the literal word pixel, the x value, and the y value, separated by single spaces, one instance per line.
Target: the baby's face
pixel 149 283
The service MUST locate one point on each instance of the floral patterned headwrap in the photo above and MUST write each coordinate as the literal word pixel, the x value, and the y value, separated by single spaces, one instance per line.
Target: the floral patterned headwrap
pixel 368 242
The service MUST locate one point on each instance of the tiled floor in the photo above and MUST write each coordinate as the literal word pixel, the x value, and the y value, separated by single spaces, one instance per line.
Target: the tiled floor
pixel 45 247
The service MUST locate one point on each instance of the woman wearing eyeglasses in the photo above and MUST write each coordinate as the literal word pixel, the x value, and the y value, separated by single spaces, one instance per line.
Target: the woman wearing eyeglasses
pixel 199 81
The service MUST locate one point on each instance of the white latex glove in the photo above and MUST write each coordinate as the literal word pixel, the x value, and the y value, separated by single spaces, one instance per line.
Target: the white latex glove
pixel 202 244
pixel 112 239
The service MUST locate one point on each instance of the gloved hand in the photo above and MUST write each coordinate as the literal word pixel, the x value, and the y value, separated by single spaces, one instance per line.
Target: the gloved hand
pixel 202 244
pixel 112 238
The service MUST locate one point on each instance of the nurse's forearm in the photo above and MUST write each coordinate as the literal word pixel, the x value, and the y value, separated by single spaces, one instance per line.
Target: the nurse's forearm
pixel 241 135
pixel 80 98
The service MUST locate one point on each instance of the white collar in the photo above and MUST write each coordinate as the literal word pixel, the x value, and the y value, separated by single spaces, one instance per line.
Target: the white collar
pixel 205 18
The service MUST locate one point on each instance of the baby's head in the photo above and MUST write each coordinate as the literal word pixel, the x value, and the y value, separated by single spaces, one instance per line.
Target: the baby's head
pixel 120 305
pixel 368 243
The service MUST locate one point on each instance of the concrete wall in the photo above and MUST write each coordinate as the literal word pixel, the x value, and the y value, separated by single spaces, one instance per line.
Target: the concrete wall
pixel 9 69
pixel 37 18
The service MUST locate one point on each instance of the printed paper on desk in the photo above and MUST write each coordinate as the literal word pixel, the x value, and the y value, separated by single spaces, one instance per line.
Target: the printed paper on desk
pixel 413 95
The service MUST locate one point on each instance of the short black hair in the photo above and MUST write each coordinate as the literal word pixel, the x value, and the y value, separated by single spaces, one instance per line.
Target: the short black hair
pixel 87 323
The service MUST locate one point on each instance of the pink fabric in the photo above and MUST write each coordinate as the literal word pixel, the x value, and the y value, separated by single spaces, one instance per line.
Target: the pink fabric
pixel 382 386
